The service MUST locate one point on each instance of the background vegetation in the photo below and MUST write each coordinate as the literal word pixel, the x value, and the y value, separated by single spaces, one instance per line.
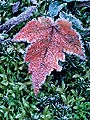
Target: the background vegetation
pixel 66 94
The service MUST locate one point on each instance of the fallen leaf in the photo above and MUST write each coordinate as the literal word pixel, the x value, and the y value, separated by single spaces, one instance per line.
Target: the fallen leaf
pixel 49 41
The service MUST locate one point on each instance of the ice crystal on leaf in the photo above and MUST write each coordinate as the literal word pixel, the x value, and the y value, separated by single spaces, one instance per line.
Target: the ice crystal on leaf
pixel 49 41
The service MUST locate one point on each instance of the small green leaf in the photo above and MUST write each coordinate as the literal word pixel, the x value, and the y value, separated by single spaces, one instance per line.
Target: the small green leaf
pixel 25 103
pixel 2 69
pixel 64 98
pixel 5 114
pixel 1 111
pixel 22 86
pixel 80 99
pixel 63 85
pixel 4 82
pixel 1 95
pixel 18 116
pixel 75 107
pixel 11 117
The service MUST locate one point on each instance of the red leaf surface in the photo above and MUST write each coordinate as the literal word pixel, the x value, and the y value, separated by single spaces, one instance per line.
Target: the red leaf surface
pixel 49 41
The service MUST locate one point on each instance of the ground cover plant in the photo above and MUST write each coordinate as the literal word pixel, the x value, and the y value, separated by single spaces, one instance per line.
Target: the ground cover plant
pixel 66 94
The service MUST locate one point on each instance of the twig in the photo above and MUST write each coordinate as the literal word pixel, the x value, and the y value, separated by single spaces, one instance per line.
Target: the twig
pixel 17 20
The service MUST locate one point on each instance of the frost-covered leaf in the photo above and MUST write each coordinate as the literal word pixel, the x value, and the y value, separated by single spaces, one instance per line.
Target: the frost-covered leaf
pixel 55 7
pixel 49 41
pixel 75 22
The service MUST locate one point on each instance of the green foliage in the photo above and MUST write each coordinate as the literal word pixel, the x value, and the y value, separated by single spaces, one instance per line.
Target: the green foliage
pixel 66 94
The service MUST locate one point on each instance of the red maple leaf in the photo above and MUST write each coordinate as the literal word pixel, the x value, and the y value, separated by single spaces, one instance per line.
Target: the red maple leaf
pixel 49 40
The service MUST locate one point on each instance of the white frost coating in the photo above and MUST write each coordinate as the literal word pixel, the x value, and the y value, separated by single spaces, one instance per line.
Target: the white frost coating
pixel 81 46
pixel 50 19
pixel 26 51
pixel 19 40
pixel 72 53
